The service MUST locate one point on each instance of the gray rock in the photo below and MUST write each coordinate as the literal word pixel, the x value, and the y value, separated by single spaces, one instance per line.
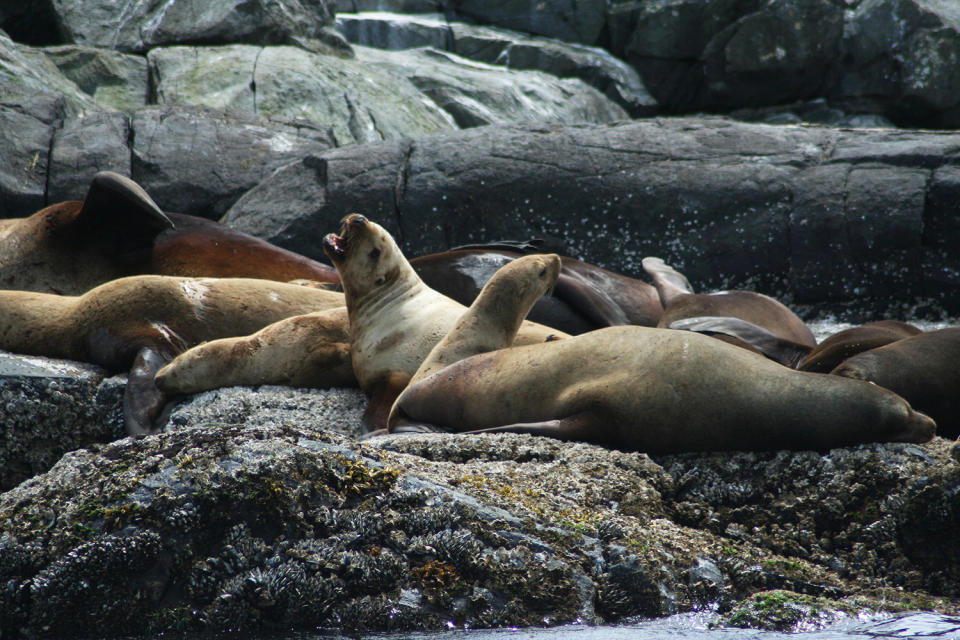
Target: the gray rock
pixel 116 81
pixel 33 85
pixel 142 25
pixel 200 161
pixel 49 407
pixel 359 101
pixel 23 163
pixel 830 218
pixel 564 20
pixel 82 147
pixel 476 94
pixel 297 527
pixel 513 50
pixel 901 58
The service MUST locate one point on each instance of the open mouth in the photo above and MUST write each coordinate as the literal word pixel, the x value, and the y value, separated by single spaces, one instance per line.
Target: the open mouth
pixel 335 246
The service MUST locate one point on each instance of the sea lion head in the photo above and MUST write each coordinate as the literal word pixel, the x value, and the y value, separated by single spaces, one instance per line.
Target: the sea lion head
pixel 366 257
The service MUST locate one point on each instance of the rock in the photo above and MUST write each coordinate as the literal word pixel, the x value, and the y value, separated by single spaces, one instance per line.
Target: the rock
pixel 361 102
pixel 49 407
pixel 902 57
pixel 23 164
pixel 836 220
pixel 295 526
pixel 593 65
pixel 475 94
pixel 33 85
pixel 887 57
pixel 116 81
pixel 199 161
pixel 82 147
pixel 142 25
pixel 565 20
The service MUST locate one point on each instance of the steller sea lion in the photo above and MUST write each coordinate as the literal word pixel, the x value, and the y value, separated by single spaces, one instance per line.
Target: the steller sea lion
pixel 118 230
pixel 309 350
pixel 765 324
pixel 847 343
pixel 586 297
pixel 141 322
pixel 922 368
pixel 395 319
pixel 652 390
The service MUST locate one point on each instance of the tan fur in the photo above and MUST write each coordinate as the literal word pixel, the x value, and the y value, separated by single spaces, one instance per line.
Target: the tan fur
pixel 395 319
pixel 310 350
pixel 109 323
pixel 658 390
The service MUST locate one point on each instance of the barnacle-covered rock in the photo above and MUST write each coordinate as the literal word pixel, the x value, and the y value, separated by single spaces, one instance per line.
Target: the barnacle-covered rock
pixel 226 526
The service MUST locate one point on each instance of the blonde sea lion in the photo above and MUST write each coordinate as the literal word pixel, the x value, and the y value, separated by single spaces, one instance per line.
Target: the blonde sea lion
pixel 758 320
pixel 143 321
pixel 395 319
pixel 653 390
pixel 310 350
pixel 118 230
pixel 922 368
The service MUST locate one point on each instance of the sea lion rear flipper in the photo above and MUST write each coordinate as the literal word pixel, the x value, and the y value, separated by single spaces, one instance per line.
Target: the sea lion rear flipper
pixel 669 282
pixel 145 407
pixel 120 216
pixel 577 427
pixel 589 300
pixel 786 352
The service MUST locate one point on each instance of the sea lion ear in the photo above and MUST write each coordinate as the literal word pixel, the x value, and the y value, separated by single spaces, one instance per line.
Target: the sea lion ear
pixel 118 217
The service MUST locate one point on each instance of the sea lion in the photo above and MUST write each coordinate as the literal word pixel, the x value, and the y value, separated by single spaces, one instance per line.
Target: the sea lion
pixel 143 321
pixel 310 350
pixel 118 230
pixel 518 284
pixel 586 297
pixel 847 343
pixel 652 390
pixel 395 319
pixel 759 320
pixel 922 368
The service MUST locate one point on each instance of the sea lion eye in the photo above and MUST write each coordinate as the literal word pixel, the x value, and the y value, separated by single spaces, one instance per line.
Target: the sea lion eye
pixel 543 272
pixel 375 253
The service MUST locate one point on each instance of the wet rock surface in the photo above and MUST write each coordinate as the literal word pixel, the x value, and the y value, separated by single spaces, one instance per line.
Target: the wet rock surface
pixel 837 220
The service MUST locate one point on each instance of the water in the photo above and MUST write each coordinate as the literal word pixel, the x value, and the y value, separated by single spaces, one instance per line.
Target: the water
pixel 687 626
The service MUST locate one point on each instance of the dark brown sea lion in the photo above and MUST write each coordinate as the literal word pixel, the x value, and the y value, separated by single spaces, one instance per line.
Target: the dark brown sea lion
pixel 141 322
pixel 923 369
pixel 118 230
pixel 847 343
pixel 395 319
pixel 653 390
pixel 586 297
pixel 759 320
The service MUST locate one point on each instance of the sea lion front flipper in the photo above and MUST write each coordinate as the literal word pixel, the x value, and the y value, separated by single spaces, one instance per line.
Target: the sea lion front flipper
pixel 588 300
pixel 670 283
pixel 119 216
pixel 786 352
pixel 381 397
pixel 145 407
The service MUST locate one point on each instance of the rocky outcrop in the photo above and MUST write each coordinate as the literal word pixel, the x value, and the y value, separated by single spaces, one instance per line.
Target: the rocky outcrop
pixel 267 527
pixel 837 219
pixel 509 49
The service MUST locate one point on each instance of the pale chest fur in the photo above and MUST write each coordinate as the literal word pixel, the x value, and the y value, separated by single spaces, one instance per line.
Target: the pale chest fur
pixel 395 337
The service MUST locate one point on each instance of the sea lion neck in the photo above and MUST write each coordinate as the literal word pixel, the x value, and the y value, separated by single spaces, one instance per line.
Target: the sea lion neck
pixel 401 285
